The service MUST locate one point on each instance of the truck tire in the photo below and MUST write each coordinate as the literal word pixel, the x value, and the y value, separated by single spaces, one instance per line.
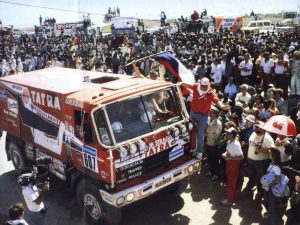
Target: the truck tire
pixel 18 159
pixel 96 211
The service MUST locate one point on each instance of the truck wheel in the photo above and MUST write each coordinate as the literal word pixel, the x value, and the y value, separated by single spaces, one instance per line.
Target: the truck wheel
pixel 178 188
pixel 96 211
pixel 18 159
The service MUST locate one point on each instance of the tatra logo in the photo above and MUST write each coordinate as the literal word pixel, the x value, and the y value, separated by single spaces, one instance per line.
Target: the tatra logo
pixel 159 145
pixel 45 100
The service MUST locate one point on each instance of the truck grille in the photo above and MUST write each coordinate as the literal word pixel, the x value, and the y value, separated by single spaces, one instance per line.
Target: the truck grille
pixel 148 166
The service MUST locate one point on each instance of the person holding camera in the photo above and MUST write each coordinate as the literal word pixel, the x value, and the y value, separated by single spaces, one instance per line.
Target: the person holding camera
pixel 258 157
pixel 34 200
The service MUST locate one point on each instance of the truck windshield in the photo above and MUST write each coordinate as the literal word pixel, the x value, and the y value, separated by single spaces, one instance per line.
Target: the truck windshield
pixel 142 114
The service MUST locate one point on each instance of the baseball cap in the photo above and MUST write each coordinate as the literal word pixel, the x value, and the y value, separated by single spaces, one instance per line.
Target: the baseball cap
pixel 238 104
pixel 231 130
pixel 259 124
pixel 204 81
pixel 215 109
pixel 251 118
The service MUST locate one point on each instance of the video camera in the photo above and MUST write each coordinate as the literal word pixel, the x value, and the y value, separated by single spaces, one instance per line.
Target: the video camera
pixel 39 174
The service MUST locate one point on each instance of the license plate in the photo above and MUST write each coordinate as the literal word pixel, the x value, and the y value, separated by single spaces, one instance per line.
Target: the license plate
pixel 163 182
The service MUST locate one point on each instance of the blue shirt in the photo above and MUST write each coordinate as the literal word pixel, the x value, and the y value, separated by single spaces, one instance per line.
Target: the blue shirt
pixel 231 89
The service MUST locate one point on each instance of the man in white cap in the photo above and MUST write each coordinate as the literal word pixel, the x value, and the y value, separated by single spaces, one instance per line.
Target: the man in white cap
pixel 203 98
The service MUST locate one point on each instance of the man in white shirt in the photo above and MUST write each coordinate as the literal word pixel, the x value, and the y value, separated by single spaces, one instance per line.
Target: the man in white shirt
pixel 216 72
pixel 243 96
pixel 267 66
pixel 246 67
pixel 34 201
pixel 258 156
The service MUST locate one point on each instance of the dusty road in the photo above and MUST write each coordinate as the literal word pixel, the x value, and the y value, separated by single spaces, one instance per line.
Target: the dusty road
pixel 199 205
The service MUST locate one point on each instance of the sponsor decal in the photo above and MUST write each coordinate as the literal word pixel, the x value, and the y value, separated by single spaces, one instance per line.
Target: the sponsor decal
pixel 43 99
pixel 3 95
pixel 160 145
pixel 129 171
pixel 45 115
pixel 25 96
pixel 16 87
pixel 74 103
pixel 12 105
pixel 90 158
pixel 11 121
pixel 176 153
pixel 104 174
pixel 10 113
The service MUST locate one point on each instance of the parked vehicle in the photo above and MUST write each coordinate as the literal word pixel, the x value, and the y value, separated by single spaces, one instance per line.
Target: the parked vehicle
pixel 259 26
pixel 116 139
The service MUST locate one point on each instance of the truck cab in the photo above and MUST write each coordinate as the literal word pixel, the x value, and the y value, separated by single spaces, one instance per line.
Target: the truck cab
pixel 116 139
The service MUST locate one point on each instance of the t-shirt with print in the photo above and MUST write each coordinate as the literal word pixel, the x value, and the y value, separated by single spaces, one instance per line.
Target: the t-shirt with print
pixel 234 148
pixel 255 141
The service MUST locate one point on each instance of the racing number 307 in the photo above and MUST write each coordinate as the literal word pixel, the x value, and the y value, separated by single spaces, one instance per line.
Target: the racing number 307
pixel 89 161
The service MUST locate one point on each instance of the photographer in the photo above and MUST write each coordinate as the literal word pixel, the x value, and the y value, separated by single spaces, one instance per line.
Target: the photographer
pixel 258 157
pixel 34 201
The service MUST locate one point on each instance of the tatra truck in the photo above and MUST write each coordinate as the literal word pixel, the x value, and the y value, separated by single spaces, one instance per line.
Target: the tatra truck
pixel 115 139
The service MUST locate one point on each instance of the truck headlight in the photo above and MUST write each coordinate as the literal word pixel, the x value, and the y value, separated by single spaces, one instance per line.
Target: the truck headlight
pixel 190 126
pixel 190 168
pixel 130 197
pixel 120 200
pixel 197 165
pixel 132 148
pixel 123 152
pixel 142 146
pixel 175 132
pixel 183 129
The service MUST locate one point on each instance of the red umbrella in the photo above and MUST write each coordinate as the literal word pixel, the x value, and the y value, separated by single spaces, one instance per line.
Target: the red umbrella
pixel 282 125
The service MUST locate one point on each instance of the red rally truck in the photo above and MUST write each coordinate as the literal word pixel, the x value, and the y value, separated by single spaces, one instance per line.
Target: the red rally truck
pixel 115 138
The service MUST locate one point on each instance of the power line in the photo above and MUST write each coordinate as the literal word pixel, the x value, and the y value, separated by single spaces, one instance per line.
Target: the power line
pixel 44 7
pixel 63 10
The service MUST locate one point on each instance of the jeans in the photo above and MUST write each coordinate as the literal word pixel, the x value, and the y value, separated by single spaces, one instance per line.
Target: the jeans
pixel 256 169
pixel 272 207
pixel 201 120
pixel 35 218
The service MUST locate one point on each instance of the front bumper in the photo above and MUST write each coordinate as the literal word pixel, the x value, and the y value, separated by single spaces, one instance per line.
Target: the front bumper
pixel 149 187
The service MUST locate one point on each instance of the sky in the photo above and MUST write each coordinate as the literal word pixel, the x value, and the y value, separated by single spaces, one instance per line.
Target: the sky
pixel 12 12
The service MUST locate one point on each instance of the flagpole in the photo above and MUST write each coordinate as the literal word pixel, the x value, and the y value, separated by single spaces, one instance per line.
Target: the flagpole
pixel 137 60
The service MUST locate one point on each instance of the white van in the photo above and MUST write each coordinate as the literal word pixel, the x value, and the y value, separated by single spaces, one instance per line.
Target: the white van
pixel 259 26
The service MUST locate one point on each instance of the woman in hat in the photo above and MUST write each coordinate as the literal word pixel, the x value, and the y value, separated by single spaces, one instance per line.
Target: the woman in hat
pixel 233 156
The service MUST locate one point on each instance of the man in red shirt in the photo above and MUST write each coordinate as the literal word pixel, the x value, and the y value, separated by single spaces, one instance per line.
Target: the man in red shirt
pixel 203 97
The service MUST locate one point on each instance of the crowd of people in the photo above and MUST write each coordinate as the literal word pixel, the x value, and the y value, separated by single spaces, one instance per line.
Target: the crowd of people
pixel 249 76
